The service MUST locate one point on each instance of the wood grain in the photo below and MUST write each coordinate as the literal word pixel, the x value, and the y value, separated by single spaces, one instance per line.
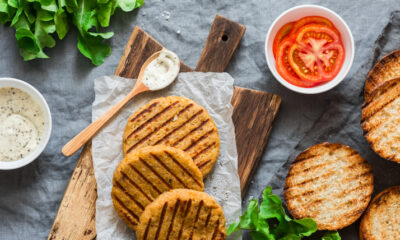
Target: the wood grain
pixel 253 115
pixel 222 41
pixel 75 217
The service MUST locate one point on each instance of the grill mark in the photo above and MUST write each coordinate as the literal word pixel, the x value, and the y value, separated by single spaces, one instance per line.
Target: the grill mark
pixel 155 173
pixel 332 148
pixel 168 170
pixel 215 230
pixel 152 119
pixel 145 179
pixel 192 131
pixel 183 124
pixel 203 151
pixel 304 159
pixel 318 165
pixel 118 185
pixel 127 209
pixel 189 204
pixel 356 188
pixel 326 175
pixel 194 143
pixel 146 232
pixel 381 92
pixel 348 179
pixel 150 134
pixel 196 218
pixel 355 212
pixel 375 127
pixel 161 220
pixel 207 219
pixel 379 109
pixel 342 193
pixel 183 168
pixel 136 186
pixel 178 201
pixel 203 164
pixel 144 111
pixel 354 200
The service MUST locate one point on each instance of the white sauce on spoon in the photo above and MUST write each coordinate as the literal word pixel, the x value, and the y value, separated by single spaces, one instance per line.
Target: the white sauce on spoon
pixel 162 71
pixel 21 124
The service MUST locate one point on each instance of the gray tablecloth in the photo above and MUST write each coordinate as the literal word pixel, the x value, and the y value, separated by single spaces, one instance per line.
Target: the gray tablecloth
pixel 29 197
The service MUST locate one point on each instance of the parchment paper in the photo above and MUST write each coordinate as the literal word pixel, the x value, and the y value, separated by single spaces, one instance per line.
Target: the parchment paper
pixel 213 91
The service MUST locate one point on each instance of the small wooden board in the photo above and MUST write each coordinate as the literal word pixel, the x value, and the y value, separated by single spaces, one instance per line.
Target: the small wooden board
pixel 254 112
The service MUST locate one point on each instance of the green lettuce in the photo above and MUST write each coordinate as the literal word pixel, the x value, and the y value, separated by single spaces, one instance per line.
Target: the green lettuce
pixel 36 23
pixel 270 221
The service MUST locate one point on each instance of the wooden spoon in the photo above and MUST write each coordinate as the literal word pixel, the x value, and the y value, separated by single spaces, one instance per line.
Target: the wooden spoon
pixel 79 140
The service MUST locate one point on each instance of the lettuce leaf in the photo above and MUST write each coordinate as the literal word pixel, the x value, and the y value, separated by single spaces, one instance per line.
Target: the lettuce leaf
pixel 37 21
pixel 270 221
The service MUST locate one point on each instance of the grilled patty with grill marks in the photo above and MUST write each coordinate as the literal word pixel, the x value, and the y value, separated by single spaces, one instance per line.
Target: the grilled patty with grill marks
pixel 182 214
pixel 386 69
pixel 148 172
pixel 177 122
pixel 382 218
pixel 330 183
pixel 380 120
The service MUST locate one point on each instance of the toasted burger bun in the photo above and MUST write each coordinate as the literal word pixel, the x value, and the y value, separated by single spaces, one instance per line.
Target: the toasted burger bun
pixel 380 120
pixel 386 69
pixel 381 221
pixel 330 183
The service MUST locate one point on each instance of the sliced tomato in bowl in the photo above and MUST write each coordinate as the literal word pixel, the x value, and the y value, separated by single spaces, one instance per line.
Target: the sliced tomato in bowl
pixel 283 67
pixel 280 35
pixel 311 20
pixel 317 53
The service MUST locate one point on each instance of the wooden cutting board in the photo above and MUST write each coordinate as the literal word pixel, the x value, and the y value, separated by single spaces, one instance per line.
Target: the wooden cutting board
pixel 254 112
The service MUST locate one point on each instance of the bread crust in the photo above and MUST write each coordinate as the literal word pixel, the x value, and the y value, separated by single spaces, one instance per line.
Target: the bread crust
pixel 148 172
pixel 177 122
pixel 380 120
pixel 385 69
pixel 330 183
pixel 382 218
pixel 182 214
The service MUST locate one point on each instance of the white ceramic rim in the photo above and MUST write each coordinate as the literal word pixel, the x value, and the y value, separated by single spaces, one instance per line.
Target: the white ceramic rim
pixel 35 94
pixel 320 88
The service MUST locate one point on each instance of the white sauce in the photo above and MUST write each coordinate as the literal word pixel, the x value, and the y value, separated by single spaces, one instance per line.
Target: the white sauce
pixel 21 124
pixel 162 71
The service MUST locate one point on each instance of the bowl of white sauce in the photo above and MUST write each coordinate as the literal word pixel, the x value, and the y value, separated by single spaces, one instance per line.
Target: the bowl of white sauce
pixel 25 123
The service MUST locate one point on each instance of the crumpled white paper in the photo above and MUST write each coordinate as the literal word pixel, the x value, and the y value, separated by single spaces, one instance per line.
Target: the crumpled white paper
pixel 213 91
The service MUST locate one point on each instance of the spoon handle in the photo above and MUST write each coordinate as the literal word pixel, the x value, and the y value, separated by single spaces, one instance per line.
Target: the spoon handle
pixel 85 135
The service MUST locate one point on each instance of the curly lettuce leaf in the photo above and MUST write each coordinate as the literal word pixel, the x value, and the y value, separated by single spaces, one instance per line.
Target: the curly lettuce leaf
pixel 36 22
pixel 270 221
pixel 90 43
pixel 6 12
pixel 61 23
pixel 331 236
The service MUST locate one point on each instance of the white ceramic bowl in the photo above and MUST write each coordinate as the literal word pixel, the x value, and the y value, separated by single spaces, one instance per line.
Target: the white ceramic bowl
pixel 35 94
pixel 296 13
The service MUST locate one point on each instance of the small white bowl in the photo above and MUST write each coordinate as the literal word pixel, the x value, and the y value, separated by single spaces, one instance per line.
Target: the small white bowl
pixel 296 13
pixel 35 94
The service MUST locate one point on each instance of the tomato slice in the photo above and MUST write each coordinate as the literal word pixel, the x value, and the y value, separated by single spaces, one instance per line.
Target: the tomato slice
pixel 312 20
pixel 317 54
pixel 282 33
pixel 283 67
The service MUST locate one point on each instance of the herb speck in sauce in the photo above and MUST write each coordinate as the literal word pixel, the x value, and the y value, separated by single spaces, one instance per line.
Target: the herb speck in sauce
pixel 22 124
